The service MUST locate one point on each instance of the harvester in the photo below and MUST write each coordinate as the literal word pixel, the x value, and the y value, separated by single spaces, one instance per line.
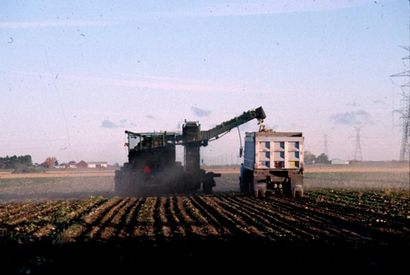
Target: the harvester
pixel 152 167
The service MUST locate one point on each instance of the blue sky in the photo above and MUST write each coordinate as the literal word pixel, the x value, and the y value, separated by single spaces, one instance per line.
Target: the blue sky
pixel 75 75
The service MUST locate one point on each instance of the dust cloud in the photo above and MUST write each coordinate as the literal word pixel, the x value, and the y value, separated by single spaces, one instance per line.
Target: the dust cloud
pixel 61 188
pixel 79 185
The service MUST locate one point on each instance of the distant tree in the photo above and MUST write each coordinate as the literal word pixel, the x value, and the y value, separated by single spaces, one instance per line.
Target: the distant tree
pixel 50 162
pixel 14 162
pixel 309 158
pixel 323 159
pixel 28 160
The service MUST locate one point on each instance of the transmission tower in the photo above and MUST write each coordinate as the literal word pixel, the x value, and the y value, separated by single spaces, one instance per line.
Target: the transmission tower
pixel 325 145
pixel 405 142
pixel 358 156
pixel 405 110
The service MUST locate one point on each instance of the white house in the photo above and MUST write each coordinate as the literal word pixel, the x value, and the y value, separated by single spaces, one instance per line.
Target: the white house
pixel 97 164
pixel 338 161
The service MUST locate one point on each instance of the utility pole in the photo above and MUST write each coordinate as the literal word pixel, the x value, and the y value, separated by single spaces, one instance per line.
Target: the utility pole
pixel 358 156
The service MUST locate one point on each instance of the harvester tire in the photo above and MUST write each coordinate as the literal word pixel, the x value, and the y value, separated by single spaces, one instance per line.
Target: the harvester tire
pixel 207 187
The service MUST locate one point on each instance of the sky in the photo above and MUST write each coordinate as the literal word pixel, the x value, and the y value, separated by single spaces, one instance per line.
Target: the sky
pixel 74 75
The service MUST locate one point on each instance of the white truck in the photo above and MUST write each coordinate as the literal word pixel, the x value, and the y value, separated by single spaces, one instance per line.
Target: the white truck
pixel 273 162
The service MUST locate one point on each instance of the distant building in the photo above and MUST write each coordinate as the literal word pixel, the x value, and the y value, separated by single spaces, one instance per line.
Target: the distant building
pixel 97 164
pixel 82 164
pixel 338 161
pixel 72 164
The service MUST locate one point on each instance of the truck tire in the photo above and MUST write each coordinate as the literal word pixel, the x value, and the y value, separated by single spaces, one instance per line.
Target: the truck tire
pixel 241 185
pixel 296 183
pixel 287 188
pixel 262 190
pixel 244 185
pixel 251 190
pixel 297 194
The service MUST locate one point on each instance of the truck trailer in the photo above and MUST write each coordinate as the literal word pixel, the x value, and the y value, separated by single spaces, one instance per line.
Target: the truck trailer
pixel 273 163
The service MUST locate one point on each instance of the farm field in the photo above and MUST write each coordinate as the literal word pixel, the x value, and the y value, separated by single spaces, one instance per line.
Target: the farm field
pixel 354 219
pixel 373 222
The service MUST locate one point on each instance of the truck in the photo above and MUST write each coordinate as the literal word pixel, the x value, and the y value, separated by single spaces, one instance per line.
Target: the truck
pixel 152 167
pixel 273 163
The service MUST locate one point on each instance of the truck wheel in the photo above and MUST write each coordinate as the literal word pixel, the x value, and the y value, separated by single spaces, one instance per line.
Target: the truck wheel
pixel 244 187
pixel 296 183
pixel 260 190
pixel 263 191
pixel 251 190
pixel 286 187
pixel 297 194
pixel 240 185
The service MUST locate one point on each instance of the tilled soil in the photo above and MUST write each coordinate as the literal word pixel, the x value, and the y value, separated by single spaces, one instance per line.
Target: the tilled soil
pixel 326 229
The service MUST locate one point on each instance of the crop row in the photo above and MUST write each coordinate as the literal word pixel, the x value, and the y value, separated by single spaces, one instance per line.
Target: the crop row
pixel 326 217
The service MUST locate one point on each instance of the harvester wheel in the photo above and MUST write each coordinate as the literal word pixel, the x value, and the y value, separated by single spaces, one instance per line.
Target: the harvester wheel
pixel 207 187
pixel 118 182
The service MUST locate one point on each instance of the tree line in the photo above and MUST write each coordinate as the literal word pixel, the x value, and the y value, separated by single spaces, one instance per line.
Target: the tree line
pixel 24 164
pixel 15 162
pixel 311 158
